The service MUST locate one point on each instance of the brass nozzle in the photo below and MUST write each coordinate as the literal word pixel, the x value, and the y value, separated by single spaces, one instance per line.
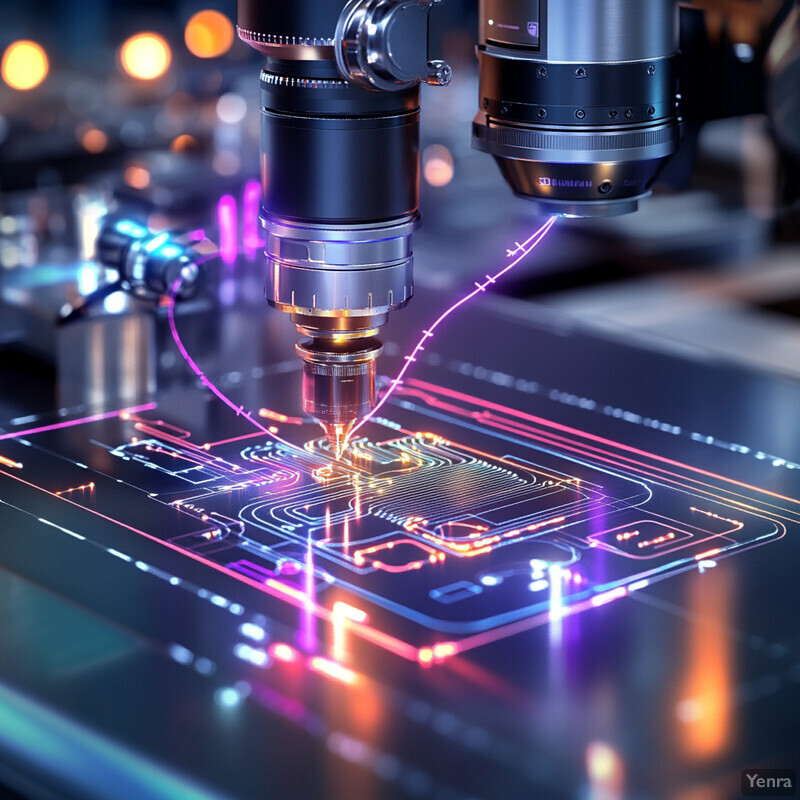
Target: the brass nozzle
pixel 339 384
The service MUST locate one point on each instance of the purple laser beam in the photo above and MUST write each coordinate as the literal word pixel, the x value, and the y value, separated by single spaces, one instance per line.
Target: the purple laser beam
pixel 523 249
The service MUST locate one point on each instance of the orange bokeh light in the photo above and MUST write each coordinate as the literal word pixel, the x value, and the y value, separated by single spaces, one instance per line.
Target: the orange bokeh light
pixel 183 143
pixel 24 65
pixel 437 165
pixel 145 56
pixel 137 177
pixel 208 34
pixel 94 140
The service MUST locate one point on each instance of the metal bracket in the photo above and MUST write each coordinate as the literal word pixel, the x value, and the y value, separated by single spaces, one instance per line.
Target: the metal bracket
pixel 383 45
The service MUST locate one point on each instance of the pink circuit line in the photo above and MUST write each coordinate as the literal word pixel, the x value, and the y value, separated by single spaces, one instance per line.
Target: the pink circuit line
pixel 70 423
pixel 523 249
pixel 240 411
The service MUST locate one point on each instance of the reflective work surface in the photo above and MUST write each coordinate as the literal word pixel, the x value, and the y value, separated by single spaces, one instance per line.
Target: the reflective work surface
pixel 553 566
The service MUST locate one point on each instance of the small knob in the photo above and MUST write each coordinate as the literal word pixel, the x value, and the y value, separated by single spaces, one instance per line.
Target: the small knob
pixel 440 73
pixel 383 45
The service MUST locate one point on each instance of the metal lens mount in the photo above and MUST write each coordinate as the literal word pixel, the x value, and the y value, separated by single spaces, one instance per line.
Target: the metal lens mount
pixel 339 281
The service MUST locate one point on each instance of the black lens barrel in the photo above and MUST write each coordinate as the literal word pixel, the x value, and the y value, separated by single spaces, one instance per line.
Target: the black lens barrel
pixel 289 21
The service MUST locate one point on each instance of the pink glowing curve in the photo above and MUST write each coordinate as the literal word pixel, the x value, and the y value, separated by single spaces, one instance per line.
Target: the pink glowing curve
pixel 240 411
pixel 523 250
pixel 71 423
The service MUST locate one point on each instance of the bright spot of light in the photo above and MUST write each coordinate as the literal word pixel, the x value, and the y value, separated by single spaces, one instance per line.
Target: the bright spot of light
pixel 94 140
pixel 437 165
pixel 145 56
pixel 231 108
pixel 88 279
pixel 183 143
pixel 744 52
pixel 252 631
pixel 114 303
pixel 24 65
pixel 333 669
pixel 491 580
pixel 251 654
pixel 604 768
pixel 228 697
pixel 284 652
pixel 136 177
pixel 208 34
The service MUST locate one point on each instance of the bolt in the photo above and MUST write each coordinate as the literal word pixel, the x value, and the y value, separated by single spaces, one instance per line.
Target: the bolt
pixel 651 111
pixel 613 114
pixel 541 72
pixel 580 72
pixel 541 113
pixel 580 113
pixel 651 70
pixel 628 113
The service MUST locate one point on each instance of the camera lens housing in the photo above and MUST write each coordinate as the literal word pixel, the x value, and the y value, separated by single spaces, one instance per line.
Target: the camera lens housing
pixel 578 99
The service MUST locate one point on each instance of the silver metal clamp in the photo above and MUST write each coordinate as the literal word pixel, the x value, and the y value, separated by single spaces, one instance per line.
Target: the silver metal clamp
pixel 383 45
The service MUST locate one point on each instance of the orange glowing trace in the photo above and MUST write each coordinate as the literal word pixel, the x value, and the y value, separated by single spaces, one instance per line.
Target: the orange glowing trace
pixel 332 669
pixel 432 556
pixel 85 487
pixel 7 462
pixel 145 56
pixel 24 65
pixel 267 413
pixel 437 654
pixel 281 651
pixel 352 613
pixel 208 34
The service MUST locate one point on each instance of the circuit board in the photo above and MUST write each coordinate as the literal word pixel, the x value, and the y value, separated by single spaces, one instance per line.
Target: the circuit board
pixel 450 523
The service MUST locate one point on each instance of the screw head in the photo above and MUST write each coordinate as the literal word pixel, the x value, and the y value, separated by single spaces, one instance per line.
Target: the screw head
pixel 541 72
pixel 651 70
pixel 580 72
pixel 628 113
pixel 613 113
pixel 651 111
pixel 541 113
pixel 486 102
pixel 580 113
pixel 504 109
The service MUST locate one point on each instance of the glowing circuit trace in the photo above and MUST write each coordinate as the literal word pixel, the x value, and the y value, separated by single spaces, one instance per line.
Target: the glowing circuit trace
pixel 432 543
pixel 426 544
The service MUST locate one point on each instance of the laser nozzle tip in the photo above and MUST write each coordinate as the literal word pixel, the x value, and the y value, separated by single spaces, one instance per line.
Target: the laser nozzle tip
pixel 337 438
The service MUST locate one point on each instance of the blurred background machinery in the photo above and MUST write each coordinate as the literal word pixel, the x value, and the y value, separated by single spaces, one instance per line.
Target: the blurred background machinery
pixel 150 110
